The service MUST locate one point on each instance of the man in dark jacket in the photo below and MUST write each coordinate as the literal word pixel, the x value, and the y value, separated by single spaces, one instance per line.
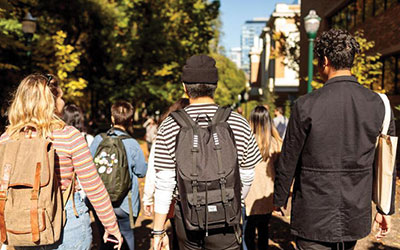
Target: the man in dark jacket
pixel 329 150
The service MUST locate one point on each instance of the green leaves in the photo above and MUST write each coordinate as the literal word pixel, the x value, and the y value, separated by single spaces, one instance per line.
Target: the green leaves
pixel 367 66
pixel 231 83
pixel 107 50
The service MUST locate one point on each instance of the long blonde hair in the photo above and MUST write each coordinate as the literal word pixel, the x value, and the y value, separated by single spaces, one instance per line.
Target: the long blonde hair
pixel 34 106
pixel 264 132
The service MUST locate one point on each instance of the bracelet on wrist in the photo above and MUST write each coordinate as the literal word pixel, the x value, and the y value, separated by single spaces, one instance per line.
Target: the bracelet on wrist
pixel 158 232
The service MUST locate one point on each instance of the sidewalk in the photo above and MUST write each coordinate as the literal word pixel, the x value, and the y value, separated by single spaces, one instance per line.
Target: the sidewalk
pixel 280 237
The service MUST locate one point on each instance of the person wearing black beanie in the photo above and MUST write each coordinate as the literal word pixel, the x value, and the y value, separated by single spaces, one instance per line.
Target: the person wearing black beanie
pixel 200 78
pixel 200 69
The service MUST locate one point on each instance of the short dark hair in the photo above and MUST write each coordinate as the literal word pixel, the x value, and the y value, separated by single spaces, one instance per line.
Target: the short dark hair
pixel 196 90
pixel 73 116
pixel 122 112
pixel 338 46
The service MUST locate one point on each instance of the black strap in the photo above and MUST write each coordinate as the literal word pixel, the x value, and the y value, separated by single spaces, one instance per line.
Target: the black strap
pixel 111 132
pixel 221 115
pixel 184 120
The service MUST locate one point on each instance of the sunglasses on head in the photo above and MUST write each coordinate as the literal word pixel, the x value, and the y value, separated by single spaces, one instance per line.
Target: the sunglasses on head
pixel 49 78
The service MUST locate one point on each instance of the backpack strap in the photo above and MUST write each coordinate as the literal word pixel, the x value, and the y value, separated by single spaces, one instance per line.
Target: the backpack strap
pixel 111 132
pixel 69 195
pixel 184 120
pixel 131 220
pixel 221 115
pixel 34 204
pixel 4 182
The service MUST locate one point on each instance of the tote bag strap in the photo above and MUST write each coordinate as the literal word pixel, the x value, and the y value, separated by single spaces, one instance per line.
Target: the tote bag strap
pixel 386 119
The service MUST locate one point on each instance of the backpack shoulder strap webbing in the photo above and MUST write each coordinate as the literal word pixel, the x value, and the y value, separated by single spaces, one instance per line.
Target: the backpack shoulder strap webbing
pixel 111 132
pixel 103 135
pixel 221 115
pixel 183 118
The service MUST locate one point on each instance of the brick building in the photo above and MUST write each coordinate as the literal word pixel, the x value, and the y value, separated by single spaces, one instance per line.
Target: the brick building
pixel 380 21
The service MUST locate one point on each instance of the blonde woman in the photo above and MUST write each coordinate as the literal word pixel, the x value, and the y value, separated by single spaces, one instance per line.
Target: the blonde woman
pixel 259 203
pixel 37 106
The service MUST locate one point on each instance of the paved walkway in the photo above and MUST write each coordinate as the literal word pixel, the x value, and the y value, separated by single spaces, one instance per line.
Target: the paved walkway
pixel 280 237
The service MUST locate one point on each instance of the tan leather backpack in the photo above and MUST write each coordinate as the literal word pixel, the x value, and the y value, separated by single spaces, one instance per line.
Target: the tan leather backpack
pixel 31 203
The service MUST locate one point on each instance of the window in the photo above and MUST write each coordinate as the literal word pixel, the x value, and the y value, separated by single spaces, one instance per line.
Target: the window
pixel 369 9
pixel 357 11
pixel 391 3
pixel 391 74
pixel 351 15
pixel 379 7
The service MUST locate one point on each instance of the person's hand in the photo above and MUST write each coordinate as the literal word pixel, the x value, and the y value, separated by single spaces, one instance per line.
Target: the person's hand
pixel 279 211
pixel 148 210
pixel 118 236
pixel 382 224
pixel 161 242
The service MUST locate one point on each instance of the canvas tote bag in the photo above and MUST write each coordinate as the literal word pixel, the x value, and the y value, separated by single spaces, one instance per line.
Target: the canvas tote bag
pixel 384 162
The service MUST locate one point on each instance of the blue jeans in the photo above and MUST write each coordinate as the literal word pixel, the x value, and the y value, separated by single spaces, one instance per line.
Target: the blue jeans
pixel 125 227
pixel 77 233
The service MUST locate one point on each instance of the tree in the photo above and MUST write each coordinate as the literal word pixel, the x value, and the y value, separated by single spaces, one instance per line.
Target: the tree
pixel 106 50
pixel 231 83
pixel 367 65
pixel 289 45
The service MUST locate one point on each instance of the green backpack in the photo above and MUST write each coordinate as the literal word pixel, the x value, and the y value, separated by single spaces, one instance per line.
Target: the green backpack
pixel 112 166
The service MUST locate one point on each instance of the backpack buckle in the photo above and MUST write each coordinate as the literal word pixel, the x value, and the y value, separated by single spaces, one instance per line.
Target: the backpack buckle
pixel 222 181
pixel 195 183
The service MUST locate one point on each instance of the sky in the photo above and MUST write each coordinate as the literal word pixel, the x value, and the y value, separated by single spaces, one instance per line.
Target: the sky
pixel 235 12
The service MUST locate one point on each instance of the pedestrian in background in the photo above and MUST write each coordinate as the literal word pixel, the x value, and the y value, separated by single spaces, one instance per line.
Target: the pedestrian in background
pixel 329 151
pixel 127 209
pixel 280 121
pixel 259 201
pixel 38 106
pixel 73 116
pixel 151 131
pixel 149 186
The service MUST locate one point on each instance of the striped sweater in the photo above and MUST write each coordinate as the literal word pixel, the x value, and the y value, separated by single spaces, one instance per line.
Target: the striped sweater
pixel 164 157
pixel 72 154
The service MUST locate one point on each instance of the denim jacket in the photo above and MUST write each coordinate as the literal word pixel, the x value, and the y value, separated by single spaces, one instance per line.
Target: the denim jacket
pixel 137 168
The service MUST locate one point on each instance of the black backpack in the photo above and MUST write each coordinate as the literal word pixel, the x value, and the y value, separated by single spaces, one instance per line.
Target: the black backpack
pixel 207 173
pixel 112 165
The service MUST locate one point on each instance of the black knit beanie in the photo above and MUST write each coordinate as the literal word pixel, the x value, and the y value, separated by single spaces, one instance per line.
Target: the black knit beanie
pixel 200 69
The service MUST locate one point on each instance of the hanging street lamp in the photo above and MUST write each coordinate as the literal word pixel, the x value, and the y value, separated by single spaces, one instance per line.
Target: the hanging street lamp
pixel 311 25
pixel 29 28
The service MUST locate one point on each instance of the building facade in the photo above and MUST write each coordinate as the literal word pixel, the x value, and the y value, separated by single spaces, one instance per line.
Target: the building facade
pixel 270 69
pixel 251 31
pixel 235 55
pixel 380 21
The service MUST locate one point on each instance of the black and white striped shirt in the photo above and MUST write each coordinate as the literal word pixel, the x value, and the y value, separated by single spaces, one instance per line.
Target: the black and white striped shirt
pixel 164 157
